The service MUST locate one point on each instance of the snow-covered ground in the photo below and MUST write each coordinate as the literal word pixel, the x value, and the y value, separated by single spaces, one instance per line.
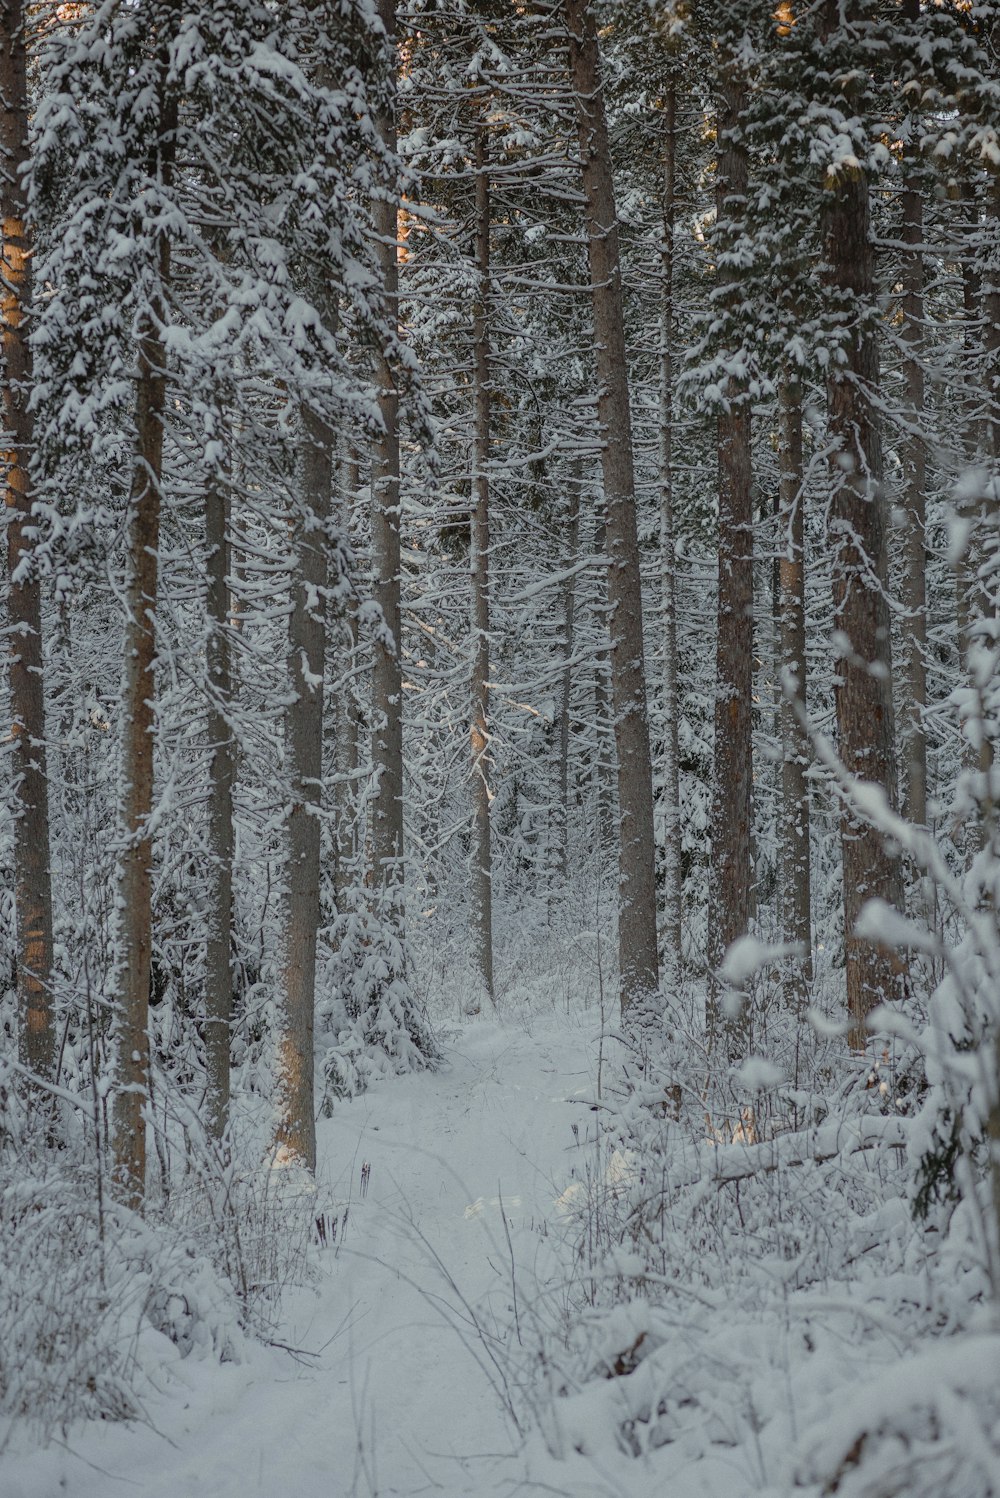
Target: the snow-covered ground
pixel 417 1359
pixel 394 1390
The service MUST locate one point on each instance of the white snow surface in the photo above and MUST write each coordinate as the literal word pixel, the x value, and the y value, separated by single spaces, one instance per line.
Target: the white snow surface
pixel 393 1400
pixel 384 1386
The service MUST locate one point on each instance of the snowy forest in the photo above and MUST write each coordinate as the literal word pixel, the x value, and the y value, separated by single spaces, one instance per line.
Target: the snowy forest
pixel 500 837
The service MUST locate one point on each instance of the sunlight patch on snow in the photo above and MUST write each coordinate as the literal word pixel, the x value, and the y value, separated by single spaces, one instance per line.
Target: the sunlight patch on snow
pixel 481 1203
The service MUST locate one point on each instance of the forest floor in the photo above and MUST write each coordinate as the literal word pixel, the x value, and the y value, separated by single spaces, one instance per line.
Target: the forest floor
pixel 391 1388
pixel 425 1348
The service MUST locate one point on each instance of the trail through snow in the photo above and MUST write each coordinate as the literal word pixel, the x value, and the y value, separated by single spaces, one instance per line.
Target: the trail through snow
pixel 400 1396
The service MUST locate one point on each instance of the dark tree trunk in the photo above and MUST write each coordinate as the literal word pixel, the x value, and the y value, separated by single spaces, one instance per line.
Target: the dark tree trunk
pixel 668 553
pixel 296 1133
pixel 29 777
pixel 387 705
pixel 637 937
pixel 731 888
pixel 915 468
pixel 139 714
pixel 482 854
pixel 795 873
pixel 222 774
pixel 863 691
pixel 569 646
pixel 347 727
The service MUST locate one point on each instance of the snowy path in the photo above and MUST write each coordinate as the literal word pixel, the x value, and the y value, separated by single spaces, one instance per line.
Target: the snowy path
pixel 396 1401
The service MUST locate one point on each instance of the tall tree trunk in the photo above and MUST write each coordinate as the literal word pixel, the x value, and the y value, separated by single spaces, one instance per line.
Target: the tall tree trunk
pixel 971 445
pixel 863 693
pixel 347 725
pixel 426 647
pixel 387 703
pixel 668 552
pixel 991 285
pixel 566 689
pixel 796 924
pixel 222 772
pixel 637 938
pixel 32 878
pixel 482 853
pixel 139 714
pixel 604 769
pixel 296 1133
pixel 915 467
pixel 138 708
pixel 732 875
pixel 991 499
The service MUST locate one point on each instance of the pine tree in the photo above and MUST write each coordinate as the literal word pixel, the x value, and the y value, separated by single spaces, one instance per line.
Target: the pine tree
pixel 32 879
pixel 637 940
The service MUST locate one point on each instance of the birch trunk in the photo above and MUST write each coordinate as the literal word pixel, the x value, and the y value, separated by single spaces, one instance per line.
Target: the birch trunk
pixel 638 962
pixel 29 776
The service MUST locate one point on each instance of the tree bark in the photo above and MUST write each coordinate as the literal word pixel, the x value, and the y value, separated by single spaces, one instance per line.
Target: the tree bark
pixel 482 853
pixel 971 447
pixel 29 776
pixel 991 285
pixel 604 768
pixel 566 689
pixel 347 726
pixel 796 923
pixel 915 467
pixel 222 774
pixel 140 719
pixel 863 692
pixel 387 703
pixel 296 1133
pixel 668 553
pixel 637 937
pixel 732 873
pixel 139 713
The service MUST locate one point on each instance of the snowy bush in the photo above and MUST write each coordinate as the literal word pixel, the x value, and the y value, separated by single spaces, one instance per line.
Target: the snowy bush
pixel 376 1022
pixel 744 1289
pixel 92 1297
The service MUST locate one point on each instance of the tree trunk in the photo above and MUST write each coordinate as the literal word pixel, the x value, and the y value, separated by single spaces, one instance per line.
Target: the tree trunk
pixel 569 645
pixel 668 554
pixel 732 874
pixel 796 924
pixel 637 937
pixel 861 621
pixel 347 727
pixel 604 742
pixel 991 287
pixel 139 714
pixel 296 1134
pixel 387 701
pixel 482 854
pixel 971 446
pixel 222 771
pixel 29 777
pixel 915 467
